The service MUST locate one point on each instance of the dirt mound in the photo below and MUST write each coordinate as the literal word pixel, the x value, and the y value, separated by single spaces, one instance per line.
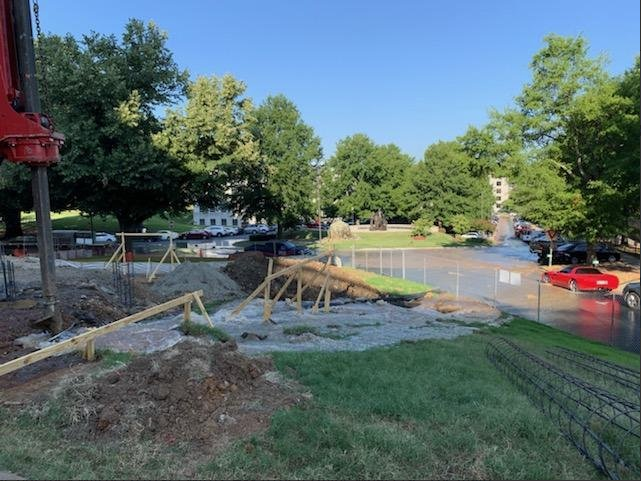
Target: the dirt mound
pixel 250 268
pixel 195 391
pixel 189 277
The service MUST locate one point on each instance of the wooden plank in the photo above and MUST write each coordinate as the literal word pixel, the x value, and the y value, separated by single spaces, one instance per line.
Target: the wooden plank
pixel 114 255
pixel 162 260
pixel 311 281
pixel 294 267
pixel 249 299
pixel 284 288
pixel 201 306
pixel 80 340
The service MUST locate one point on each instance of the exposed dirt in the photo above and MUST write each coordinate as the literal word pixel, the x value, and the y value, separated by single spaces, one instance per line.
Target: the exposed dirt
pixel 250 268
pixel 85 298
pixel 197 391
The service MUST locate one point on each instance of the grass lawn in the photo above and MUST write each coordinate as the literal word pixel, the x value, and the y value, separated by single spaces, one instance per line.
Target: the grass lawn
pixel 390 285
pixel 73 220
pixel 375 240
pixel 431 409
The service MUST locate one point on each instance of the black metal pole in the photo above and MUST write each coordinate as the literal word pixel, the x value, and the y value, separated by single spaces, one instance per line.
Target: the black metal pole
pixel 39 177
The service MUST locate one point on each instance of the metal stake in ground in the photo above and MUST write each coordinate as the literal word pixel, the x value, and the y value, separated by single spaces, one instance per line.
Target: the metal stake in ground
pixel 39 179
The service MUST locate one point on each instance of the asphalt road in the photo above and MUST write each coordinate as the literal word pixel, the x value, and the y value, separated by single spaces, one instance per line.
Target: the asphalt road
pixel 507 275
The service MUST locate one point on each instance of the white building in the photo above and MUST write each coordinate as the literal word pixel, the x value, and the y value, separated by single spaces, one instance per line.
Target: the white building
pixel 501 190
pixel 206 217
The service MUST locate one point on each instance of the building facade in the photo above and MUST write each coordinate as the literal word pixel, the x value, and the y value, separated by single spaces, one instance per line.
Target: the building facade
pixel 205 217
pixel 501 190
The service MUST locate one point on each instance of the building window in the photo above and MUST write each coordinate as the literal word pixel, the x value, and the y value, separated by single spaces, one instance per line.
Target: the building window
pixel 234 222
pixel 212 221
pixel 223 221
pixel 498 183
pixel 498 191
pixel 202 221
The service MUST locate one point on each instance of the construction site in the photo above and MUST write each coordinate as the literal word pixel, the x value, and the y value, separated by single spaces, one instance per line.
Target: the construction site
pixel 276 361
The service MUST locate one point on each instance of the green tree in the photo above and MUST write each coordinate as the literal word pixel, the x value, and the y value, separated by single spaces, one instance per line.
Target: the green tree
pixel 362 177
pixel 442 186
pixel 578 119
pixel 103 94
pixel 212 136
pixel 284 183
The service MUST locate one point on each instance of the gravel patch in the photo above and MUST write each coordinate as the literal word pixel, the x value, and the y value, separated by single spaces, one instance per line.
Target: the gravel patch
pixel 189 277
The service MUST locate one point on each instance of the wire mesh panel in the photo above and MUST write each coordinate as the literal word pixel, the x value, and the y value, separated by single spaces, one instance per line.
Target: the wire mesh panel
pixel 123 280
pixel 603 425
pixel 8 279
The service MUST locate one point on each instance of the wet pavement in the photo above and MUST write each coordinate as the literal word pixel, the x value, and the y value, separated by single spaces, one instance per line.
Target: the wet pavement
pixel 506 275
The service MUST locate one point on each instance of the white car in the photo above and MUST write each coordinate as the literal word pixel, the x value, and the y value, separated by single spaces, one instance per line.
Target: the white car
pixel 230 230
pixel 168 234
pixel 217 230
pixel 84 239
pixel 472 235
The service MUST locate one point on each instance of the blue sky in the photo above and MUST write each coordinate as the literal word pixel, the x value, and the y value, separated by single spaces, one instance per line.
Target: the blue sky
pixel 411 72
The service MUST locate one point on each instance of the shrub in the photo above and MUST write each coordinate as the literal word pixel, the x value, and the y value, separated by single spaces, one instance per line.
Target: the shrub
pixel 460 224
pixel 421 227
pixel 339 230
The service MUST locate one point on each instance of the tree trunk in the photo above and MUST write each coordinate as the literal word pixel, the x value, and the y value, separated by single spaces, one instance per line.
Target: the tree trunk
pixel 128 224
pixel 11 218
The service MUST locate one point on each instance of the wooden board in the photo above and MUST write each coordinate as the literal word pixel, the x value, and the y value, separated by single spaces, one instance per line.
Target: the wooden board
pixel 80 340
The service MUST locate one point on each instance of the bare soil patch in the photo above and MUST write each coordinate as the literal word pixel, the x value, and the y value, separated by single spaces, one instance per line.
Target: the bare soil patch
pixel 197 391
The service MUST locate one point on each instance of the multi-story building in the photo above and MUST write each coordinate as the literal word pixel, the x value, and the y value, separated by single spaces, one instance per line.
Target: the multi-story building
pixel 206 217
pixel 501 190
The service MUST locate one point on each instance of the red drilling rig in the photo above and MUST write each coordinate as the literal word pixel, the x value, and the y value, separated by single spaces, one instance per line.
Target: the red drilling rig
pixel 27 135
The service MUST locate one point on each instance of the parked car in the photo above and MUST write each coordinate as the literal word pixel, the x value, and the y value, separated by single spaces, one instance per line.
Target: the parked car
pixel 558 255
pixel 256 229
pixel 631 295
pixel 542 243
pixel 581 278
pixel 278 248
pixel 532 235
pixel 196 234
pixel 84 238
pixel 216 230
pixel 168 234
pixel 230 230
pixel 578 254
pixel 473 235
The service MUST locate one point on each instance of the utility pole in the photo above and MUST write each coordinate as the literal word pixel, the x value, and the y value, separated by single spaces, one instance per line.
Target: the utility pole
pixel 39 174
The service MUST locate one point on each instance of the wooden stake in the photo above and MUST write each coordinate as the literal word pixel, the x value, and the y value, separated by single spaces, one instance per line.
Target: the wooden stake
pixel 284 288
pixel 268 286
pixel 299 291
pixel 328 296
pixel 187 311
pixel 90 350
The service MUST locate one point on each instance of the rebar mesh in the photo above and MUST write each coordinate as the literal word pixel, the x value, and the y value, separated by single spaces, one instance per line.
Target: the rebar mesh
pixel 602 425
pixel 123 280
pixel 8 277
pixel 608 371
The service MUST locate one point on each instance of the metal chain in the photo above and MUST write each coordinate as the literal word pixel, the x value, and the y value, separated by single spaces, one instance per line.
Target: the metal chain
pixel 41 58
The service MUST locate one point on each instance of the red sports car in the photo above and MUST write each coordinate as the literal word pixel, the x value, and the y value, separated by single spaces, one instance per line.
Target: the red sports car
pixel 577 278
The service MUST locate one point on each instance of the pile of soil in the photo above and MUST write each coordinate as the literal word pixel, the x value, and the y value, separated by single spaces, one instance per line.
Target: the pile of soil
pixel 189 277
pixel 196 391
pixel 249 269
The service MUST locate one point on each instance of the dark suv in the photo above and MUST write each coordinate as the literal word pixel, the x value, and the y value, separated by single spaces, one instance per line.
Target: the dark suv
pixel 578 254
